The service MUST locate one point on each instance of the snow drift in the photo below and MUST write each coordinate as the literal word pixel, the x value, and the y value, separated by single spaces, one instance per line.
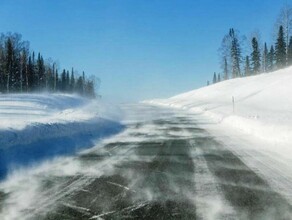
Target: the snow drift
pixel 36 127
pixel 262 107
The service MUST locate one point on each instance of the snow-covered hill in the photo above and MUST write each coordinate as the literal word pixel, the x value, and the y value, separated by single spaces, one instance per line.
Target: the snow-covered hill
pixel 258 131
pixel 34 127
pixel 262 107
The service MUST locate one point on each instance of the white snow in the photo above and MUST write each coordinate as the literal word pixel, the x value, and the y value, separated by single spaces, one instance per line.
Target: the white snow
pixel 263 104
pixel 20 110
pixel 36 127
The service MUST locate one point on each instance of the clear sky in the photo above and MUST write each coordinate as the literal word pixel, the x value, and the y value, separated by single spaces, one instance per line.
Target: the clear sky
pixel 140 49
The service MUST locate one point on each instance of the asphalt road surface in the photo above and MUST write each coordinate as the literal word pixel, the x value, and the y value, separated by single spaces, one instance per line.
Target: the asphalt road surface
pixel 163 166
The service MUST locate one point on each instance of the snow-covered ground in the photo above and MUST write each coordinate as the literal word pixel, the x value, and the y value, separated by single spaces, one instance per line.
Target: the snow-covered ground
pixel 258 129
pixel 34 127
pixel 20 110
pixel 262 107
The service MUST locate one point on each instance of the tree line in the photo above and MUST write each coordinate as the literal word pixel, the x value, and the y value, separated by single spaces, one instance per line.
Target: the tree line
pixel 262 58
pixel 23 71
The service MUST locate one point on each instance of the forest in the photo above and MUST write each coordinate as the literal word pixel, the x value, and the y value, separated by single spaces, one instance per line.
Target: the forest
pixel 22 71
pixel 240 57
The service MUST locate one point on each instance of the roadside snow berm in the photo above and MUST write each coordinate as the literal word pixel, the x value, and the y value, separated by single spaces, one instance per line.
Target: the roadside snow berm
pixel 37 127
pixel 263 104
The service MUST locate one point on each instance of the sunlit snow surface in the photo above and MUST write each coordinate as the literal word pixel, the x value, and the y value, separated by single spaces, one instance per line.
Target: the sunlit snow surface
pixel 20 110
pixel 35 127
pixel 262 107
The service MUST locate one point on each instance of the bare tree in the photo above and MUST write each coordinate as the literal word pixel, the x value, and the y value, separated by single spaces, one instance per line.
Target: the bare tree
pixel 225 55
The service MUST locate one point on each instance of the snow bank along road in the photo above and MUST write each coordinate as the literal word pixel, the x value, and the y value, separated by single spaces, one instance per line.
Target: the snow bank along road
pixel 37 127
pixel 262 105
pixel 164 165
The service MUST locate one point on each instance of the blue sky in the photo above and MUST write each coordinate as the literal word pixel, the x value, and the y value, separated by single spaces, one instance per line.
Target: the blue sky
pixel 140 49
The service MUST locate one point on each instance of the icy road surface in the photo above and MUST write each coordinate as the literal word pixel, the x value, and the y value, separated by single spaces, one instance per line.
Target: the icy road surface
pixel 163 166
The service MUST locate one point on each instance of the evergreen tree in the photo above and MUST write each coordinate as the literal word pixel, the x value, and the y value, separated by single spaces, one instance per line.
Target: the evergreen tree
pixel 24 76
pixel 89 89
pixel 214 78
pixel 34 73
pixel 2 71
pixel 290 52
pixel 83 83
pixel 30 75
pixel 271 59
pixel 79 85
pixel 225 69
pixel 40 74
pixel 67 81
pixel 55 72
pixel 63 81
pixel 265 58
pixel 57 81
pixel 14 55
pixel 255 57
pixel 72 81
pixel 285 19
pixel 235 54
pixel 49 79
pixel 219 78
pixel 247 70
pixel 20 71
pixel 280 50
pixel 9 63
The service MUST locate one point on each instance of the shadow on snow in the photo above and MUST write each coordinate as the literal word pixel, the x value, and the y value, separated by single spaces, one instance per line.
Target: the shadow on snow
pixel 43 141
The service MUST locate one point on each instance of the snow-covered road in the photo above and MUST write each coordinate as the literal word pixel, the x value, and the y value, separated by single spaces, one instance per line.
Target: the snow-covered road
pixel 166 164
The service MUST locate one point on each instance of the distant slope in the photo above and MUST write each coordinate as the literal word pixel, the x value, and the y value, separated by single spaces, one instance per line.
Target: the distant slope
pixel 36 127
pixel 263 104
